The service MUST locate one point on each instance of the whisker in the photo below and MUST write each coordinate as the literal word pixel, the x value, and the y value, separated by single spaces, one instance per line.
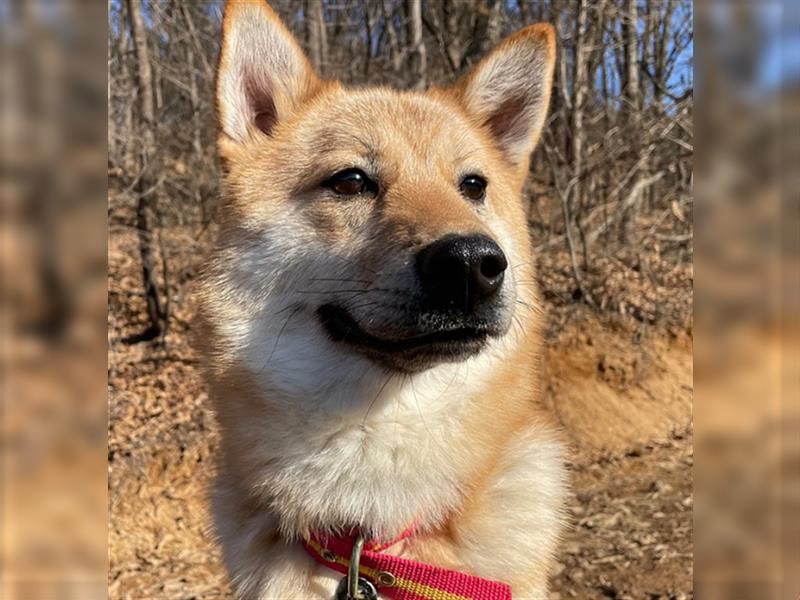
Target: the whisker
pixel 362 305
pixel 354 263
pixel 278 338
pixel 419 410
pixel 342 280
pixel 334 291
pixel 375 399
pixel 523 303
pixel 523 264
pixel 534 308
pixel 517 322
pixel 284 309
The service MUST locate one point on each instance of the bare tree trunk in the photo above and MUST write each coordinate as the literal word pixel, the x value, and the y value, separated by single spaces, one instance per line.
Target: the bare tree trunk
pixel 394 45
pixel 661 44
pixel 486 30
pixel 209 71
pixel 632 62
pixel 601 42
pixel 317 34
pixel 112 122
pixel 144 187
pixel 419 52
pixel 494 27
pixel 197 145
pixel 561 100
pixel 633 110
pixel 455 44
pixel 650 17
pixel 580 90
pixel 126 159
pixel 369 25
pixel 524 11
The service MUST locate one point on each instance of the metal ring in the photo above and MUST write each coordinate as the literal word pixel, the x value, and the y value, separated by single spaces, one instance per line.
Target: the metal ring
pixel 328 555
pixel 385 579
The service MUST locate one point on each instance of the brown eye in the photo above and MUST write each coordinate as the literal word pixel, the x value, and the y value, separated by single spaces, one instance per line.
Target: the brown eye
pixel 351 182
pixel 473 187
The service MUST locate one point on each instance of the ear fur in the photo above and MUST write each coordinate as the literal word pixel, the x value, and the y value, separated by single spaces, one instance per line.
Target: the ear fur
pixel 263 74
pixel 509 90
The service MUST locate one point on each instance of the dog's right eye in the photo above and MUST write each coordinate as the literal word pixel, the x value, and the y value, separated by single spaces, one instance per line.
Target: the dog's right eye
pixel 351 182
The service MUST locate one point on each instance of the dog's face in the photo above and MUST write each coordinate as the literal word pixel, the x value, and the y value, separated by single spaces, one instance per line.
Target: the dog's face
pixel 371 226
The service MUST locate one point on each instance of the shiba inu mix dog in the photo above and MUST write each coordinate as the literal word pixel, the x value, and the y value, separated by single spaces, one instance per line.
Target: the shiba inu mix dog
pixel 370 322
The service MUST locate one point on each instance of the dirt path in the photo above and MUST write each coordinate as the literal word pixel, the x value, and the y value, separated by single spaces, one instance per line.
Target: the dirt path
pixel 632 535
pixel 625 399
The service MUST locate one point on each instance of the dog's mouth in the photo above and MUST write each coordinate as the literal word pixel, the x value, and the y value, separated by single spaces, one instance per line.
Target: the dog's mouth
pixel 411 353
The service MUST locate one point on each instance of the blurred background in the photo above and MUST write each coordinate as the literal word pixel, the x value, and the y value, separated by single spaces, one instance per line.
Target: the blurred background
pixel 611 210
pixel 747 392
pixel 52 300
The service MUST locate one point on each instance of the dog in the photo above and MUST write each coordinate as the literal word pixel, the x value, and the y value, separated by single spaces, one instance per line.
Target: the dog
pixel 370 324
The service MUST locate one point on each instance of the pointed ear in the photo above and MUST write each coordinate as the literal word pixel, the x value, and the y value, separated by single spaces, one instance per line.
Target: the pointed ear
pixel 262 75
pixel 509 90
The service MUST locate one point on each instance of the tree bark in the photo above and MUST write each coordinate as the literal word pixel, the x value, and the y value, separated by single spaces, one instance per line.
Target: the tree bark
pixel 633 111
pixel 580 90
pixel 144 187
pixel 126 158
pixel 419 52
pixel 112 123
pixel 486 30
pixel 632 59
pixel 661 44
pixel 395 54
pixel 317 34
pixel 455 43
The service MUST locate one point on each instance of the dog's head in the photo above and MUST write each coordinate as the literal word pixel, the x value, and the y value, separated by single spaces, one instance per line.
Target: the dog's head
pixel 371 226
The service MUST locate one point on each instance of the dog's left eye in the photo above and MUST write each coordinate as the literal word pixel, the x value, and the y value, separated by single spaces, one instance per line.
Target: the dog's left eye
pixel 473 187
pixel 351 182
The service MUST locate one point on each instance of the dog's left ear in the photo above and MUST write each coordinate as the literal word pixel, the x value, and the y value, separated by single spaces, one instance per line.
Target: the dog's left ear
pixel 509 90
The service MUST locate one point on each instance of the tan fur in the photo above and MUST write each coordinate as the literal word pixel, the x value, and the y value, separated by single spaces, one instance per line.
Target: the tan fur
pixel 313 436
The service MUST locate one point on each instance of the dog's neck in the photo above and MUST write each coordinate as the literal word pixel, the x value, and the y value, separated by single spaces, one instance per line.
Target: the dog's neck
pixel 378 450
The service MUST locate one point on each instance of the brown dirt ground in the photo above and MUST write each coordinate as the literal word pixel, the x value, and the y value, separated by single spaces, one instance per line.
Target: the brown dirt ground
pixel 622 388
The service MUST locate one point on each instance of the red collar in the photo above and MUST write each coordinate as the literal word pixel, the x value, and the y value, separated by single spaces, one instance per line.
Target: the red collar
pixel 400 578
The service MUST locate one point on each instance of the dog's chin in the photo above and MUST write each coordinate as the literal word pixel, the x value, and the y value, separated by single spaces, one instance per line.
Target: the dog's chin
pixel 410 354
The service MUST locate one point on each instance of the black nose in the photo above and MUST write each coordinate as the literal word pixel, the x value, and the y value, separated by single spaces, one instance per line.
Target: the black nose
pixel 461 270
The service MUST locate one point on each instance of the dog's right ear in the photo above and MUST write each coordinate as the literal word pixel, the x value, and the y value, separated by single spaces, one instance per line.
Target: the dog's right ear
pixel 509 90
pixel 263 74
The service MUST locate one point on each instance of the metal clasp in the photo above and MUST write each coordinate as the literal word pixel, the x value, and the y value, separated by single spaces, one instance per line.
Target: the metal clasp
pixel 354 587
